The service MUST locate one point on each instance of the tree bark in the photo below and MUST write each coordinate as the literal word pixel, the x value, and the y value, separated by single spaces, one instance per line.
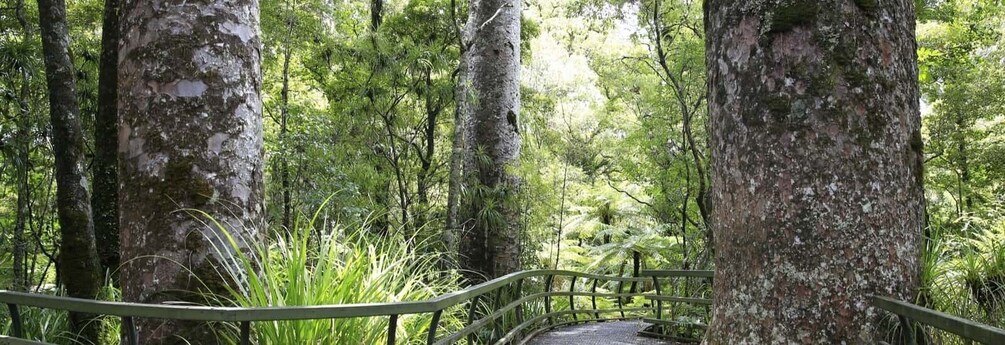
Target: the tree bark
pixel 19 281
pixel 490 246
pixel 22 165
pixel 78 257
pixel 966 200
pixel 816 167
pixel 105 165
pixel 451 233
pixel 433 106
pixel 284 160
pixel 376 14
pixel 190 137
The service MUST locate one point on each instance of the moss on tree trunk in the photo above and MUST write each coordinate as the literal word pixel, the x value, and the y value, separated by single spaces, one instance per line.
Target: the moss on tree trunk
pixel 190 137
pixel 78 257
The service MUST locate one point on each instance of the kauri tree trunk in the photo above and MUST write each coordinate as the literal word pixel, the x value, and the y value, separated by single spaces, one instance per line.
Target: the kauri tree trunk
pixel 105 196
pixel 78 257
pixel 489 245
pixel 190 137
pixel 816 167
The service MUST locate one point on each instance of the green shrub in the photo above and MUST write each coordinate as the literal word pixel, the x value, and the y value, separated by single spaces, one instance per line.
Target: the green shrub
pixel 338 266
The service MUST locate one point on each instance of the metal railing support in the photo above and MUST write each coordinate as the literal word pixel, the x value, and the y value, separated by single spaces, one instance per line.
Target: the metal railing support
pixel 392 328
pixel 519 308
pixel 498 304
pixel 621 302
pixel 593 297
pixel 572 297
pixel 433 325
pixel 905 323
pixel 132 338
pixel 472 310
pixel 659 304
pixel 547 298
pixel 245 332
pixel 16 325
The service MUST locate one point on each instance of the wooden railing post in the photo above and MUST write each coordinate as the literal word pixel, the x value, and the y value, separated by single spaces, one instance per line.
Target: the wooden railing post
pixel 392 328
pixel 547 298
pixel 245 332
pixel 132 338
pixel 433 325
pixel 16 325
pixel 621 303
pixel 593 297
pixel 905 323
pixel 659 303
pixel 572 297
pixel 519 307
pixel 498 323
pixel 472 310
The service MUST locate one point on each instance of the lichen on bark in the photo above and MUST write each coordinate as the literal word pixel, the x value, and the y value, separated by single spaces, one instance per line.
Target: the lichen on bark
pixel 79 269
pixel 816 163
pixel 190 137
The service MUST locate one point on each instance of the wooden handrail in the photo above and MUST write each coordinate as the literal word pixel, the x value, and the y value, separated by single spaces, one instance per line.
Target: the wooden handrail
pixel 677 273
pixel 968 329
pixel 245 316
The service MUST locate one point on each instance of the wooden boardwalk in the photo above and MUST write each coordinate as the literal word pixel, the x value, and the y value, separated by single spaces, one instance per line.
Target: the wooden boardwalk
pixel 602 333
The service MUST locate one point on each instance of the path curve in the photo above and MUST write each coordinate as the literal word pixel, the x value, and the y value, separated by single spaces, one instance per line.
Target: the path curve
pixel 600 333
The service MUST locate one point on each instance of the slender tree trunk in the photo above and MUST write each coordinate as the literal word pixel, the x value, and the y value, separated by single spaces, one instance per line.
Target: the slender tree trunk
pixel 78 257
pixel 22 165
pixel 452 229
pixel 284 159
pixel 105 166
pixel 490 247
pixel 687 108
pixel 433 109
pixel 190 137
pixel 21 219
pixel 636 269
pixel 451 233
pixel 966 200
pixel 816 167
pixel 561 216
pixel 376 14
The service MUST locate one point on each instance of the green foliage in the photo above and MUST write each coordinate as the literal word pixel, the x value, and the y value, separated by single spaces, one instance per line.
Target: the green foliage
pixel 339 265
pixel 53 326
pixel 961 70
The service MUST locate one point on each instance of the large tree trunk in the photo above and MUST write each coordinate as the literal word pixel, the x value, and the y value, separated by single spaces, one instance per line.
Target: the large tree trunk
pixel 105 165
pixel 490 239
pixel 78 257
pixel 190 137
pixel 816 167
